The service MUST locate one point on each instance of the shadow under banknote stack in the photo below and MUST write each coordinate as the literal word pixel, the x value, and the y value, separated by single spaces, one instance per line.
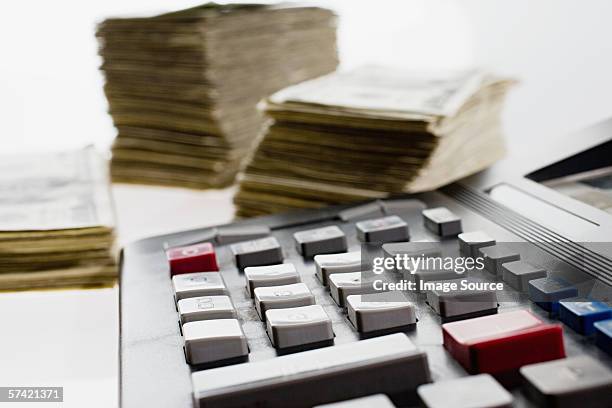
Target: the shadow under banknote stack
pixel 183 87
pixel 371 133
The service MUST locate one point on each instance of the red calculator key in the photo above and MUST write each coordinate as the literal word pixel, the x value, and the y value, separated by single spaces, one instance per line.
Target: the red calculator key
pixel 501 344
pixel 192 258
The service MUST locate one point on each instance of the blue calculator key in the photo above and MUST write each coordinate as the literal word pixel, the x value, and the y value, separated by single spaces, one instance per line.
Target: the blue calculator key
pixel 547 292
pixel 603 335
pixel 580 314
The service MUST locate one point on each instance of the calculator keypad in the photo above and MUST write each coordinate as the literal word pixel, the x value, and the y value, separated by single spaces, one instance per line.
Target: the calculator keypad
pixel 295 318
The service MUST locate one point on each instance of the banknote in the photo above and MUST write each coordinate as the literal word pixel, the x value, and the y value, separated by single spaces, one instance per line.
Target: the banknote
pixel 194 77
pixel 65 190
pixel 56 219
pixel 380 91
pixel 371 133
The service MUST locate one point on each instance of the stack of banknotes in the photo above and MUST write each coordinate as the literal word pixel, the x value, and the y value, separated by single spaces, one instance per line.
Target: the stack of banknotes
pixel 371 133
pixel 183 87
pixel 56 221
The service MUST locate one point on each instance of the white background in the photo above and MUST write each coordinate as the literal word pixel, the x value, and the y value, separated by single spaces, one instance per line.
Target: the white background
pixel 51 98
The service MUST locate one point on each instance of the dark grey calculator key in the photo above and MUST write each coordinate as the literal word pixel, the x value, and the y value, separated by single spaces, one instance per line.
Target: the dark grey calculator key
pixel 258 252
pixel 471 242
pixel 518 274
pixel 380 311
pixel 338 263
pixel 191 238
pixel 573 382
pixel 402 206
pixel 196 284
pixel 475 391
pixel 496 255
pixel 318 376
pixel 232 234
pixel 270 275
pixel 299 326
pixel 386 229
pixel 279 297
pixel 360 212
pixel 442 221
pixel 454 302
pixel 206 308
pixel 208 341
pixel 324 240
pixel 377 401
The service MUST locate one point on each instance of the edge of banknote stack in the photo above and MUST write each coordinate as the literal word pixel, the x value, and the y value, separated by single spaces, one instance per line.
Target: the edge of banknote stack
pixel 371 133
pixel 183 87
pixel 56 221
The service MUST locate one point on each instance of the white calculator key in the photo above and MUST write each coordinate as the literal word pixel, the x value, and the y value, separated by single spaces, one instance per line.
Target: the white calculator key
pixel 572 382
pixel 198 284
pixel 376 400
pixel 325 374
pixel 475 391
pixel 380 311
pixel 324 240
pixel 299 326
pixel 279 297
pixel 386 229
pixel 271 275
pixel 342 285
pixel 460 302
pixel 208 341
pixel 337 263
pixel 206 308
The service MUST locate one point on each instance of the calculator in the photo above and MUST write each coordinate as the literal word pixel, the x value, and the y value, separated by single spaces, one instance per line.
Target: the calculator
pixel 276 311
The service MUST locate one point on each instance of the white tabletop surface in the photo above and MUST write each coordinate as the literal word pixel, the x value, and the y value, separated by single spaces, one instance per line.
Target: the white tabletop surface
pixel 51 98
pixel 69 338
